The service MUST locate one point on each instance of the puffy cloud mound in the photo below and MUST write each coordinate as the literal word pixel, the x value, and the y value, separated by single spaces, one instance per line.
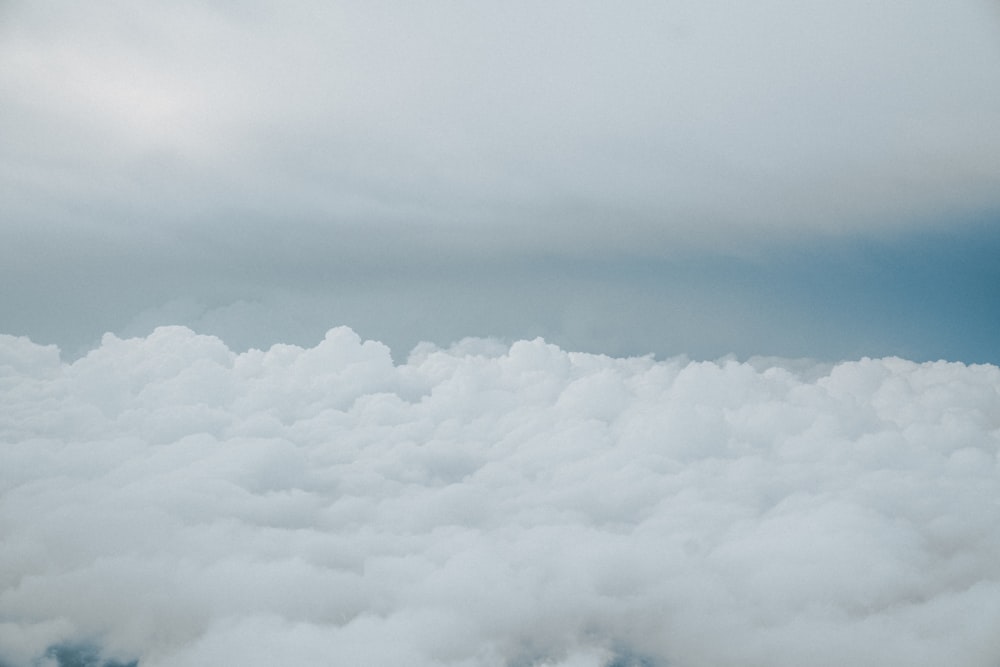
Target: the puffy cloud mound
pixel 167 502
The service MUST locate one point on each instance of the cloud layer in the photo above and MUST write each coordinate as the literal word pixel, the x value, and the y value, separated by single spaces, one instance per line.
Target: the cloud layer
pixel 173 502
pixel 498 127
pixel 261 172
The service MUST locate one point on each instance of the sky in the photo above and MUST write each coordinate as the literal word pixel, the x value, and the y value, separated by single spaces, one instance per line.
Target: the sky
pixel 499 334
pixel 692 178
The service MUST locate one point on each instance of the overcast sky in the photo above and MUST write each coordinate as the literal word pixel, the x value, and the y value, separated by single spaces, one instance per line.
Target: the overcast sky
pixel 797 179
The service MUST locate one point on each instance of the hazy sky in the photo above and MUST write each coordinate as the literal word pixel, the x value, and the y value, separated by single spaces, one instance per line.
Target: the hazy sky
pixel 799 179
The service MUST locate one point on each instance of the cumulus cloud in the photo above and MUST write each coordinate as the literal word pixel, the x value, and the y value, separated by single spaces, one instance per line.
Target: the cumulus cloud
pixel 168 502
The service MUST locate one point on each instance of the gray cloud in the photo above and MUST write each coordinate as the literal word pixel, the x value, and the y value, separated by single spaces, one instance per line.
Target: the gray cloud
pixel 565 127
pixel 367 164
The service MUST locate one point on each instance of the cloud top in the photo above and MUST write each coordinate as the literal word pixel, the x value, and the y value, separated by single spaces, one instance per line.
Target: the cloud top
pixel 172 502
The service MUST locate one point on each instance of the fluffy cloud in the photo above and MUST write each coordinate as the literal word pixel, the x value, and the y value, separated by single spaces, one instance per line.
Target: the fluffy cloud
pixel 168 501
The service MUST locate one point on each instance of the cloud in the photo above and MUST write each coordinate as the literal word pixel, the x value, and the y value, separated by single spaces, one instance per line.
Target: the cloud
pixel 169 501
pixel 261 172
pixel 493 129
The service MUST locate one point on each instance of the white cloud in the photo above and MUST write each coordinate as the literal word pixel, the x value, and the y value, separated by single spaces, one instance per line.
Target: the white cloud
pixel 171 501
